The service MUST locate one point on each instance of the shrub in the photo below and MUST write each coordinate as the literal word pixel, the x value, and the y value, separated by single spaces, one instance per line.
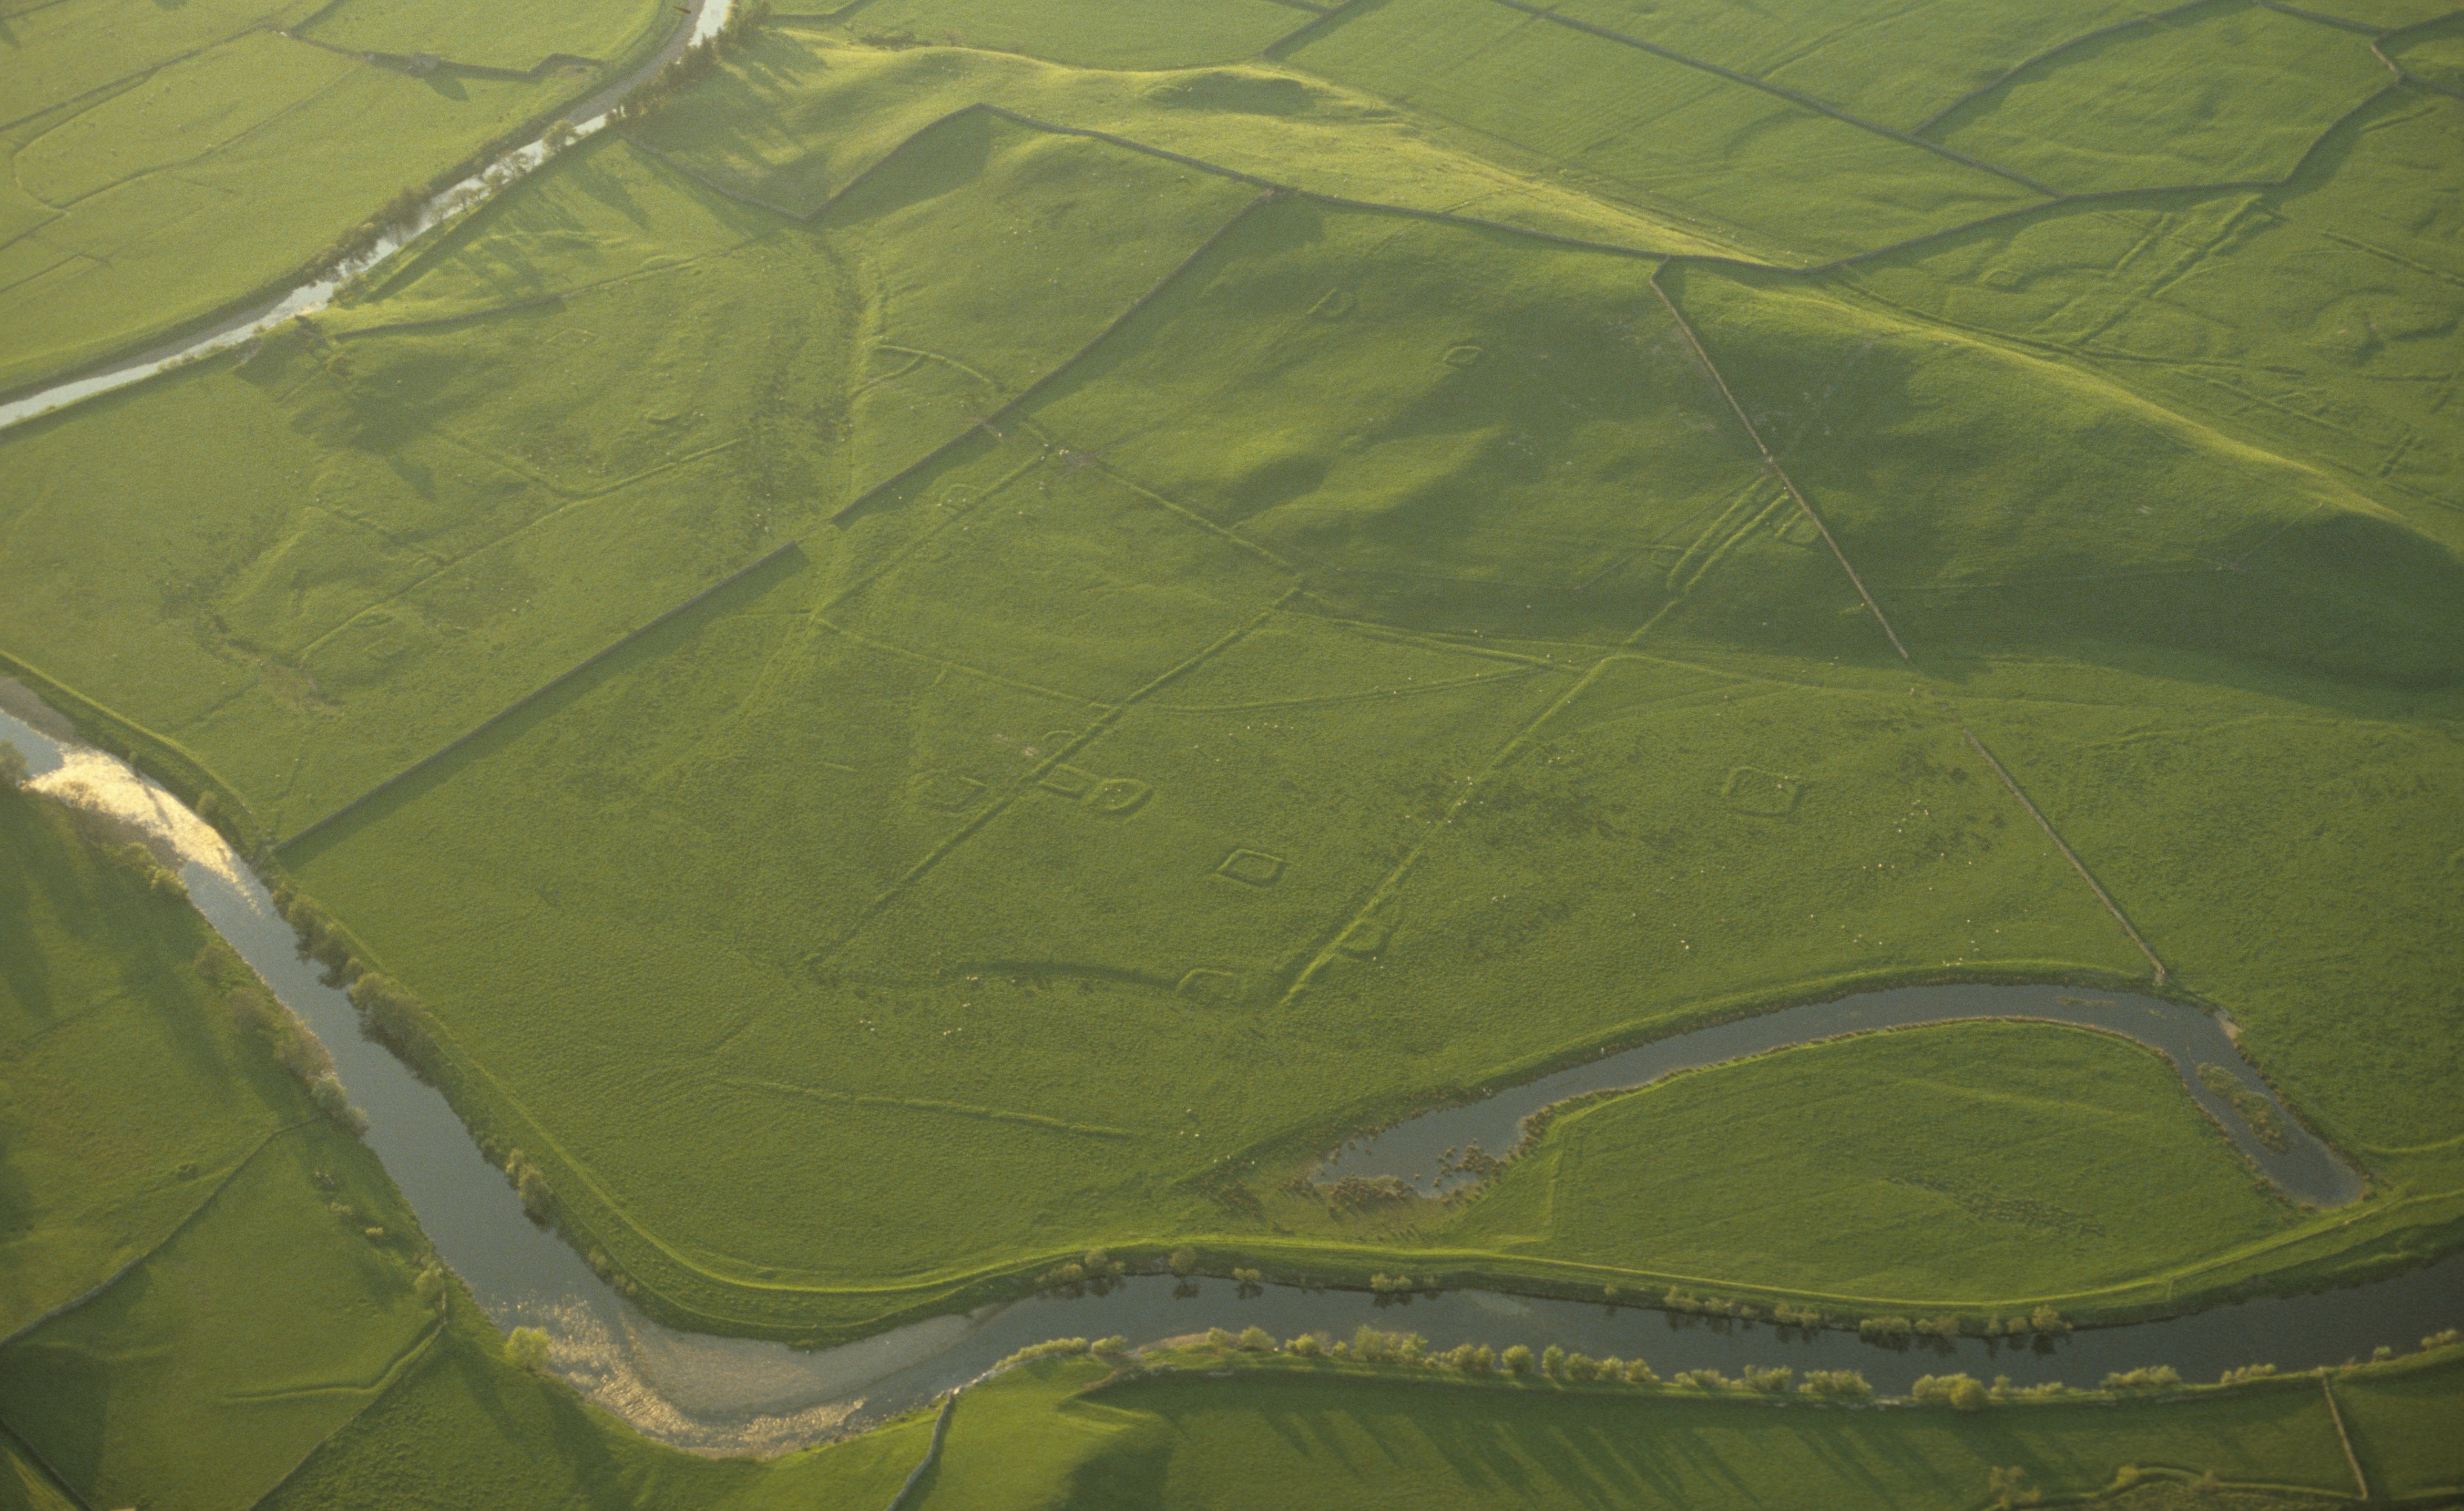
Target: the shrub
pixel 1787 1315
pixel 1099 1263
pixel 1937 1326
pixel 1963 1392
pixel 394 1018
pixel 1217 1338
pixel 1308 1345
pixel 1636 1372
pixel 1112 1347
pixel 1254 1339
pixel 2009 1488
pixel 1517 1360
pixel 1769 1380
pixel 327 1093
pixel 2246 1373
pixel 1370 1344
pixel 2443 1338
pixel 13 769
pixel 1552 1360
pixel 1051 1347
pixel 1886 1329
pixel 2045 1320
pixel 527 1348
pixel 2154 1377
pixel 1580 1366
pixel 1608 1370
pixel 1183 1262
pixel 1846 1384
pixel 1253 1277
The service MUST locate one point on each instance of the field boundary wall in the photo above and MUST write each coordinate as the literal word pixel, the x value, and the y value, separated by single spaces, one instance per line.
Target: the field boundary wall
pixel 534 696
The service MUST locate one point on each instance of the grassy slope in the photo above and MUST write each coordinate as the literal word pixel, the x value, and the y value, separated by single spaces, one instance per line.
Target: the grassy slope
pixel 1300 1435
pixel 264 1329
pixel 1976 1151
pixel 1486 464
pixel 175 160
pixel 83 979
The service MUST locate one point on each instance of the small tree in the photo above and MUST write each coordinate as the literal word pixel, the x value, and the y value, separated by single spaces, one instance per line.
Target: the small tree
pixel 527 1348
pixel 1552 1360
pixel 1217 1338
pixel 12 764
pixel 1579 1366
pixel 1257 1340
pixel 1306 1347
pixel 1112 1347
pixel 2009 1487
pixel 1183 1262
pixel 1517 1360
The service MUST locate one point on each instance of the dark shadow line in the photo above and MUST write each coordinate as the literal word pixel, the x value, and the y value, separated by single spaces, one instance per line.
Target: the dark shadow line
pixel 1686 329
pixel 157 1245
pixel 1783 92
pixel 2340 23
pixel 2153 18
pixel 989 421
pixel 531 697
pixel 45 1465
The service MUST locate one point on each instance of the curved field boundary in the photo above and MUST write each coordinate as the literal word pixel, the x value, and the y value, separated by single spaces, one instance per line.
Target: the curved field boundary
pixel 171 764
pixel 1783 92
pixel 931 1454
pixel 2406 75
pixel 394 1374
pixel 2153 18
pixel 532 697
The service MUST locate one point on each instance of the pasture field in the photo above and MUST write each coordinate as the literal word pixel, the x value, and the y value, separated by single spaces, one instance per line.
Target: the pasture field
pixel 1225 655
pixel 2007 1158
pixel 474 32
pixel 214 1294
pixel 1283 1431
pixel 172 161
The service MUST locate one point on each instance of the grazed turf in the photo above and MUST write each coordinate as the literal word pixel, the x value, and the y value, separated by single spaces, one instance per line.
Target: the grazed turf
pixel 1249 665
pixel 2215 95
pixel 2026 1159
pixel 1285 1432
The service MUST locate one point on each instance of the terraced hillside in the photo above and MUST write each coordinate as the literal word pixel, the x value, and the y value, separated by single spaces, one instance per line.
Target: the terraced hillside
pixel 988 631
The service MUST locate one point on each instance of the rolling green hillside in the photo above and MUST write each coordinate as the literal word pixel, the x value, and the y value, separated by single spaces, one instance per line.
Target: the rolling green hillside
pixel 1041 610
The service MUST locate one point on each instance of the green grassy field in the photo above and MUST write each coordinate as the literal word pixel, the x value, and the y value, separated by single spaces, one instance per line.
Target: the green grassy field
pixel 212 1291
pixel 171 161
pixel 2023 1158
pixel 1287 1433
pixel 1255 656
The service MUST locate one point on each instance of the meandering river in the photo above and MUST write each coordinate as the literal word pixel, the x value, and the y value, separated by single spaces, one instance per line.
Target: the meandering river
pixel 741 1396
pixel 589 116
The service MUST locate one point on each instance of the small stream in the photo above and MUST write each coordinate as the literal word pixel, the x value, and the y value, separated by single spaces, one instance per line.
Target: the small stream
pixel 725 1395
pixel 589 116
